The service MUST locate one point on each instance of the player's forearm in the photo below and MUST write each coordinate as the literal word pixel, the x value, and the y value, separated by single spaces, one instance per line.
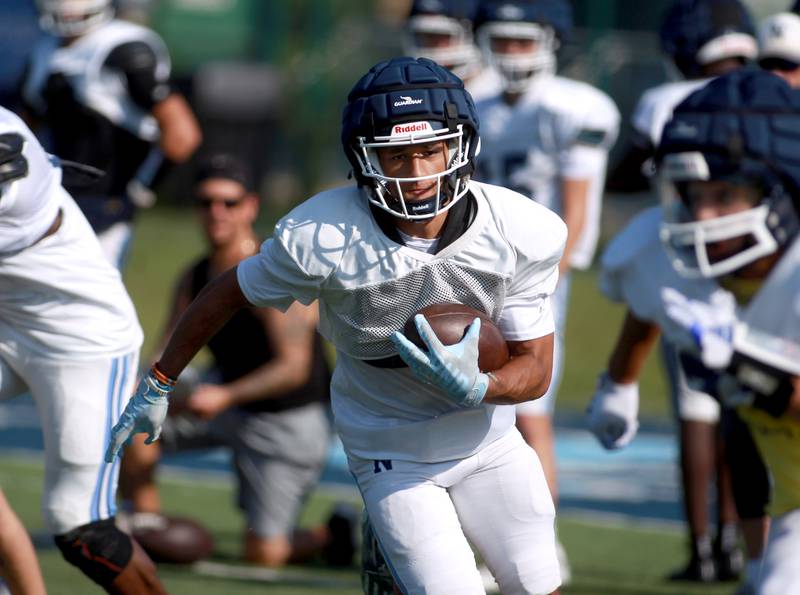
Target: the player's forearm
pixel 180 132
pixel 574 196
pixel 526 375
pixel 522 379
pixel 212 308
pixel 793 410
pixel 270 381
pixel 635 342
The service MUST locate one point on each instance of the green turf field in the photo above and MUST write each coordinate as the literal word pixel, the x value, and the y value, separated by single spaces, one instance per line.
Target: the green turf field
pixel 607 559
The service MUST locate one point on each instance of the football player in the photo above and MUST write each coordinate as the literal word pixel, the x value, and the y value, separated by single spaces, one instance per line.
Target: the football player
pixel 547 137
pixel 729 154
pixel 69 336
pixel 425 438
pixel 102 88
pixel 702 38
pixel 442 31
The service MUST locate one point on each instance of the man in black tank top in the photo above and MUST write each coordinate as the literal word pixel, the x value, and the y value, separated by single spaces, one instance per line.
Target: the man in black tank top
pixel 269 403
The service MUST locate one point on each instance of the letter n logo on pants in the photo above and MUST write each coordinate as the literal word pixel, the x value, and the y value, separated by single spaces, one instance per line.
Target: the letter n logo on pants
pixel 386 464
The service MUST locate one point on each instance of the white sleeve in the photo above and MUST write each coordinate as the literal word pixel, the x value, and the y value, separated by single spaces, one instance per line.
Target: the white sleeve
pixel 272 278
pixel 587 139
pixel 526 311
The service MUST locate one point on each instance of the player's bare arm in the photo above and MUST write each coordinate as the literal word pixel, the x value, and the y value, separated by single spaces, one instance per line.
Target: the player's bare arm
pixel 180 132
pixel 574 195
pixel 793 410
pixel 635 342
pixel 526 376
pixel 218 301
pixel 292 340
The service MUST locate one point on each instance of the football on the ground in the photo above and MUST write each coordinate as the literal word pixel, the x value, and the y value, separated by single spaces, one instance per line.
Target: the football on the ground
pixel 450 323
pixel 174 540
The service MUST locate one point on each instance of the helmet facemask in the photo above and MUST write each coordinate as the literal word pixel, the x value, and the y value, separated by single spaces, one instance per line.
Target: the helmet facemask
pixel 386 191
pixel 72 18
pixel 458 52
pixel 518 69
pixel 761 229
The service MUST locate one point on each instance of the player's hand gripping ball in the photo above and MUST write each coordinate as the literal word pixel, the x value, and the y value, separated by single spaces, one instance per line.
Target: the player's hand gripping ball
pixel 453 368
pixel 450 323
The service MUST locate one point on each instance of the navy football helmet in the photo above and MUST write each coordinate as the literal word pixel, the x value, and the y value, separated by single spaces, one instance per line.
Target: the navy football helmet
pixel 71 18
pixel 545 22
pixel 698 32
pixel 744 128
pixel 442 31
pixel 410 101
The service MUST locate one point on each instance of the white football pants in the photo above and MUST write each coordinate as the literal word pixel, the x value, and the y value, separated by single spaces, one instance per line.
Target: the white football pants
pixel 78 403
pixel 423 515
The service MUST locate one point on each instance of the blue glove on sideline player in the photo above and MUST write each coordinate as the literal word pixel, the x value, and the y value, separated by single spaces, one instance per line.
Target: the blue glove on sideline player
pixel 453 368
pixel 145 412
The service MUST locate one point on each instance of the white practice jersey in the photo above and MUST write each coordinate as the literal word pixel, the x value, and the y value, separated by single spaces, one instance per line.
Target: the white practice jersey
pixel 99 89
pixel 330 248
pixel 635 268
pixel 769 327
pixel 27 206
pixel 559 129
pixel 59 297
pixel 654 108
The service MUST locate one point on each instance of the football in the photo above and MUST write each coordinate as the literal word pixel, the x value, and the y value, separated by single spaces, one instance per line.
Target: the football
pixel 174 540
pixel 450 323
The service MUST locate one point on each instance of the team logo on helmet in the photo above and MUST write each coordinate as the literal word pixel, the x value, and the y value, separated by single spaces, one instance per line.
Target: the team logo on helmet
pixel 407 100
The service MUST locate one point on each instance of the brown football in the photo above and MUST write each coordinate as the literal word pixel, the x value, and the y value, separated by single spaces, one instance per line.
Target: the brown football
pixel 450 323
pixel 174 540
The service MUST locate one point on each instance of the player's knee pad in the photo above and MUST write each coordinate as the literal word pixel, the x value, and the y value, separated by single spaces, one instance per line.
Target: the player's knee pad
pixel 98 549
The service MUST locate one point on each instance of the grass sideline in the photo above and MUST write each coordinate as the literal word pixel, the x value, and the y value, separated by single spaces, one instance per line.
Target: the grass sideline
pixel 608 558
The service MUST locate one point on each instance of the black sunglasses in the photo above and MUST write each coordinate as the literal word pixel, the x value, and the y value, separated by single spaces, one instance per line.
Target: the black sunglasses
pixel 203 202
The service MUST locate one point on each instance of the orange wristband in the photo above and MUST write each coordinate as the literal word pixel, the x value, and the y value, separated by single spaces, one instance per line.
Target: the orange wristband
pixel 161 377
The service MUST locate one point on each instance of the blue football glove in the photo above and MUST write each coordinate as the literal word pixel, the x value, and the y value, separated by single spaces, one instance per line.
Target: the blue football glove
pixel 453 368
pixel 145 412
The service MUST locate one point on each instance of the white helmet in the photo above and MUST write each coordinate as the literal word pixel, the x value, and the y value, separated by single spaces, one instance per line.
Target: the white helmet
pixel 72 18
pixel 543 22
pixel 779 39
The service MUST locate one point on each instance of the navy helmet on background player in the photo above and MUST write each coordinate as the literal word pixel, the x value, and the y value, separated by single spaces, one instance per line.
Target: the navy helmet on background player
pixel 410 101
pixel 743 128
pixel 72 18
pixel 545 22
pixel 696 33
pixel 442 31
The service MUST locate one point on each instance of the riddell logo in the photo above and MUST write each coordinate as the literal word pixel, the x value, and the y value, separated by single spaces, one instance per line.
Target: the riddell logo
pixel 407 100
pixel 410 128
